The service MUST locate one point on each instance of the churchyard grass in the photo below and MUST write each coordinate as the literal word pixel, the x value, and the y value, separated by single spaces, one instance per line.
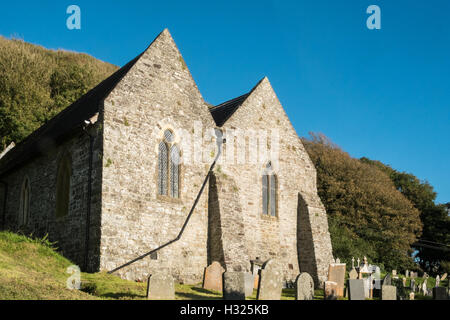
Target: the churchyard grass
pixel 31 269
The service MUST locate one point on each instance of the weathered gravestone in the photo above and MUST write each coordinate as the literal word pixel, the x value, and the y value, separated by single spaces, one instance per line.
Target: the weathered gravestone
pixel 234 285
pixel 388 292
pixel 411 296
pixel 387 281
pixel 412 285
pixel 353 274
pixel 212 278
pixel 439 293
pixel 407 273
pixel 160 287
pixel 444 276
pixel 249 282
pixel 270 281
pixel 336 273
pixel 330 292
pixel 438 280
pixel 304 285
pixel 356 289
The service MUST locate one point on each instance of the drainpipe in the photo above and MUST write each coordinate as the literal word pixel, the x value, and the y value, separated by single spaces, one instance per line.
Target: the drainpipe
pixel 220 140
pixel 5 190
pixel 87 124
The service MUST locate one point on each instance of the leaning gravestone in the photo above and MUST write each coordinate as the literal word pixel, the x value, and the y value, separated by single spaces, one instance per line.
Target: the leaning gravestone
pixel 304 287
pixel 388 292
pixel 160 287
pixel 336 273
pixel 356 289
pixel 234 285
pixel 444 276
pixel 330 292
pixel 439 293
pixel 270 281
pixel 212 279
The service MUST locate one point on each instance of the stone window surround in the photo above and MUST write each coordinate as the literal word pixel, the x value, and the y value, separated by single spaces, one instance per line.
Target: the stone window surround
pixel 24 217
pixel 168 198
pixel 269 173
pixel 64 156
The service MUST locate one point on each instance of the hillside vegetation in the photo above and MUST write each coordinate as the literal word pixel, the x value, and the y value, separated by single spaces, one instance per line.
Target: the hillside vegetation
pixel 36 84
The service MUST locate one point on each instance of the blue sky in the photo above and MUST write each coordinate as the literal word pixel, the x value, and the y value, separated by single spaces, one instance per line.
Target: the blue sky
pixel 383 94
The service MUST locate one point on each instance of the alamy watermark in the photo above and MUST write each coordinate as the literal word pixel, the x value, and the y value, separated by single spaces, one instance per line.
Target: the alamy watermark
pixel 74 281
pixel 73 22
pixel 374 20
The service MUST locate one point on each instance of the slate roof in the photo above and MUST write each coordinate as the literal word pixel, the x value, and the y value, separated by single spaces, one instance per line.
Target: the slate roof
pixel 64 124
pixel 222 112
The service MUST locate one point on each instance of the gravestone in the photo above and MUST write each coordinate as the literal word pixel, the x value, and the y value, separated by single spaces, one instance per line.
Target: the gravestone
pixel 234 285
pixel 404 282
pixel 407 273
pixel 356 289
pixel 412 285
pixel 444 276
pixel 438 280
pixel 160 287
pixel 439 293
pixel 270 281
pixel 387 281
pixel 411 296
pixel 336 273
pixel 330 292
pixel 424 287
pixel 304 287
pixel 353 274
pixel 388 292
pixel 249 281
pixel 212 278
pixel 394 274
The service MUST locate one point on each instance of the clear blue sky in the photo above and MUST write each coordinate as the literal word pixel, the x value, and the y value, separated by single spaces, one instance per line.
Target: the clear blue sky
pixel 383 94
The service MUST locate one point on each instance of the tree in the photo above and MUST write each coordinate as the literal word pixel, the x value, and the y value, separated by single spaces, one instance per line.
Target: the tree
pixel 368 216
pixel 433 247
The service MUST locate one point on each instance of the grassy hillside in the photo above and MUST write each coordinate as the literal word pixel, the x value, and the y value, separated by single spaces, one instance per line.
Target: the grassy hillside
pixel 37 83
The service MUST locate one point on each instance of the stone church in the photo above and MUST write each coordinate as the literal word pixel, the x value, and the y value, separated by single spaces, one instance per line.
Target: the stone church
pixel 104 179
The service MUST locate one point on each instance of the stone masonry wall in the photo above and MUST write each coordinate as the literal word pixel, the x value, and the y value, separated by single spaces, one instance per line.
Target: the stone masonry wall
pixel 280 237
pixel 70 231
pixel 158 93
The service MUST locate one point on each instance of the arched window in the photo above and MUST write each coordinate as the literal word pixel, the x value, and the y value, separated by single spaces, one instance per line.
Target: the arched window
pixel 174 171
pixel 269 191
pixel 168 166
pixel 63 186
pixel 24 211
pixel 162 169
